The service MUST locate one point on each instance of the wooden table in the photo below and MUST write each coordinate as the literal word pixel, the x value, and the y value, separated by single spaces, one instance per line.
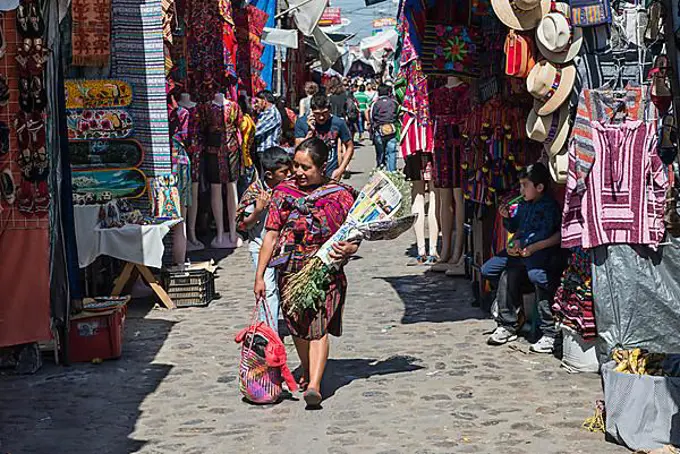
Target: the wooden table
pixel 130 273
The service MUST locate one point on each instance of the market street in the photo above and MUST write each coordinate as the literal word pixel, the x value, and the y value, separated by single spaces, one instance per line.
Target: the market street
pixel 411 374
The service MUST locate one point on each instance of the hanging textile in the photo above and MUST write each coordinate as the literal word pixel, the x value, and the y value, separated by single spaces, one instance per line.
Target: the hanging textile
pixel 211 47
pixel 416 130
pixel 250 23
pixel 267 59
pixel 91 32
pixel 139 59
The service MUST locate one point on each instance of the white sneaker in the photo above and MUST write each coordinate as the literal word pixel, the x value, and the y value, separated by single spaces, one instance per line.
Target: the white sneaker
pixel 501 336
pixel 544 345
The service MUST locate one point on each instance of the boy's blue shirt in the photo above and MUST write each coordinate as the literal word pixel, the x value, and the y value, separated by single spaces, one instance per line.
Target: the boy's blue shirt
pixel 535 221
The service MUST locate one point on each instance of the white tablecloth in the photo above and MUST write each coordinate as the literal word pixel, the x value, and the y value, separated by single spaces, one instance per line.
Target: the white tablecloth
pixel 142 244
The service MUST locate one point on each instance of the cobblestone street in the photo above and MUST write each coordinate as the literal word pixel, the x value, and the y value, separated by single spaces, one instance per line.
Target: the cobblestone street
pixel 411 374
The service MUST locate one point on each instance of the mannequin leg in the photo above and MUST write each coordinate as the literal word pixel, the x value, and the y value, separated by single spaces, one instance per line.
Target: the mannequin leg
pixel 192 242
pixel 432 225
pixel 445 201
pixel 457 263
pixel 418 207
pixel 459 201
pixel 217 210
pixel 179 240
pixel 232 203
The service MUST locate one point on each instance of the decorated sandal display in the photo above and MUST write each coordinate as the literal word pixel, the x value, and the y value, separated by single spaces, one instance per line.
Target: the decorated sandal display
pixel 4 138
pixel 25 95
pixel 38 93
pixel 7 187
pixel 41 203
pixel 36 24
pixel 22 19
pixel 25 196
pixel 4 91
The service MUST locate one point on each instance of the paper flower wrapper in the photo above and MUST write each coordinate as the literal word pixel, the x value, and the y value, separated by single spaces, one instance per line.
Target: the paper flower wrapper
pixel 377 214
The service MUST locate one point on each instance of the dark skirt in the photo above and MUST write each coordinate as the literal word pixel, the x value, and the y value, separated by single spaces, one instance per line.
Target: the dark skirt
pixel 313 325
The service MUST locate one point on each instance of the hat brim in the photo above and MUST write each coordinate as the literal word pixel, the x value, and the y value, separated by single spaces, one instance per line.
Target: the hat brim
pixel 525 20
pixel 559 167
pixel 564 56
pixel 561 94
pixel 557 145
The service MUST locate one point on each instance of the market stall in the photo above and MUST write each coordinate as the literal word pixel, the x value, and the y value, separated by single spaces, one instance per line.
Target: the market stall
pixel 35 277
pixel 591 90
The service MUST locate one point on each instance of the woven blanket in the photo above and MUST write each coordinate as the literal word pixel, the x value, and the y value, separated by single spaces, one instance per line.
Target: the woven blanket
pixel 139 60
pixel 91 32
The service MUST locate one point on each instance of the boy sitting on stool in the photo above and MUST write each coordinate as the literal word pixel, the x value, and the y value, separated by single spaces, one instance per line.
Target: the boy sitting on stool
pixel 531 255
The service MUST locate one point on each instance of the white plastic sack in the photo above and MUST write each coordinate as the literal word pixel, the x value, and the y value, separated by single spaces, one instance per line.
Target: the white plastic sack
pixel 578 355
pixel 643 412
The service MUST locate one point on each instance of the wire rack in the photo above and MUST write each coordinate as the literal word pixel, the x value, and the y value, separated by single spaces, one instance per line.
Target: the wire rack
pixel 10 217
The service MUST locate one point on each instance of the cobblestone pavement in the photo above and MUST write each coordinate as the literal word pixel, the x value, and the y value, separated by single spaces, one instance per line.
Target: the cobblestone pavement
pixel 411 374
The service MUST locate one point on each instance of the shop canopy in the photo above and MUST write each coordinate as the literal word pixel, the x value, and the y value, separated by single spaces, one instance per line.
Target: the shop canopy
pixel 377 46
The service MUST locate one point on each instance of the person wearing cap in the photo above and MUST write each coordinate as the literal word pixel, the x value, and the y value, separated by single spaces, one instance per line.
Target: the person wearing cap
pixel 532 255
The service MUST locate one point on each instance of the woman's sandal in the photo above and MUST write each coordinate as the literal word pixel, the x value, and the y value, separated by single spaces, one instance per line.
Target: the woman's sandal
pixel 313 398
pixel 303 383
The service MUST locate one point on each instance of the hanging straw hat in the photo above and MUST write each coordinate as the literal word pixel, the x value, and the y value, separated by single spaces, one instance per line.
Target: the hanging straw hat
pixel 559 166
pixel 521 14
pixel 552 130
pixel 557 39
pixel 550 85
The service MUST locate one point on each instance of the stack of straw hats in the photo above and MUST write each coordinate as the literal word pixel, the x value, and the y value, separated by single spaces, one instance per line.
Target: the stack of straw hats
pixel 552 79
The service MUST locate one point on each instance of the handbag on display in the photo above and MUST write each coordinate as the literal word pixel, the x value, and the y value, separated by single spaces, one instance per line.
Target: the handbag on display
pixel 166 198
pixel 520 50
pixel 587 13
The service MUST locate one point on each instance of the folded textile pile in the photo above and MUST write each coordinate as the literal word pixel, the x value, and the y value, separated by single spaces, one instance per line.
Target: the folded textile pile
pixel 573 304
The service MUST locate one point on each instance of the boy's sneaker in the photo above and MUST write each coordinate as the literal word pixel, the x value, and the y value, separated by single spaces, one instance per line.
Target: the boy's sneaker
pixel 501 336
pixel 544 345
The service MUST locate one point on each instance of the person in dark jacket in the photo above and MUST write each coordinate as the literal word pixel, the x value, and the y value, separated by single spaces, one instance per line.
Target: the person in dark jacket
pixel 382 116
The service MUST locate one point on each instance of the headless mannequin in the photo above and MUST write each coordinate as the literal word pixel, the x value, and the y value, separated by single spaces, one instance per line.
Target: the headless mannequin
pixel 179 232
pixel 224 240
pixel 193 244
pixel 418 207
pixel 450 201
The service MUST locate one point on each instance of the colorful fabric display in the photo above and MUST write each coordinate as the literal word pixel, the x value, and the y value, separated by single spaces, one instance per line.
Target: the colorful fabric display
pixel 138 58
pixel 91 32
pixel 452 49
pixel 573 304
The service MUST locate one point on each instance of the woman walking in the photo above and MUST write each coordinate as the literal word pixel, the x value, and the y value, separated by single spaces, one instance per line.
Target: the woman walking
pixel 304 213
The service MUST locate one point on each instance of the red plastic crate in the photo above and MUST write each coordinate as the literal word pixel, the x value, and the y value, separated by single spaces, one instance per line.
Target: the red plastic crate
pixel 97 336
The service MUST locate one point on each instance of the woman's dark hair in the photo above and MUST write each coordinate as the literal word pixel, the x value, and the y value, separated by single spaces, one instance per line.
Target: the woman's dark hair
pixel 362 87
pixel 287 126
pixel 244 104
pixel 537 174
pixel 319 102
pixel 317 149
pixel 267 96
pixel 274 158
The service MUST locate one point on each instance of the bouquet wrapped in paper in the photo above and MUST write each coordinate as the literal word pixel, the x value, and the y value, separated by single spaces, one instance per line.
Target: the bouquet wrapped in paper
pixel 381 212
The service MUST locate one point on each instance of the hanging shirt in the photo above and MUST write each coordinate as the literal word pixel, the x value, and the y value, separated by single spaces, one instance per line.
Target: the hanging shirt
pixel 624 195
pixel 268 129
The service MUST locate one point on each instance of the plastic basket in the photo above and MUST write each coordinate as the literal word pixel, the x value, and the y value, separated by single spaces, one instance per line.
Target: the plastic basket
pixel 190 288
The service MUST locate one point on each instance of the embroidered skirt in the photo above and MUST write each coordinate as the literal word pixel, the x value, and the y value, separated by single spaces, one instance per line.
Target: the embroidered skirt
pixel 313 325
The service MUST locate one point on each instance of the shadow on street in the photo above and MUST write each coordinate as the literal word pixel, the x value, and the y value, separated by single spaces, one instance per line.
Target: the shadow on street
pixel 434 298
pixel 86 408
pixel 342 372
